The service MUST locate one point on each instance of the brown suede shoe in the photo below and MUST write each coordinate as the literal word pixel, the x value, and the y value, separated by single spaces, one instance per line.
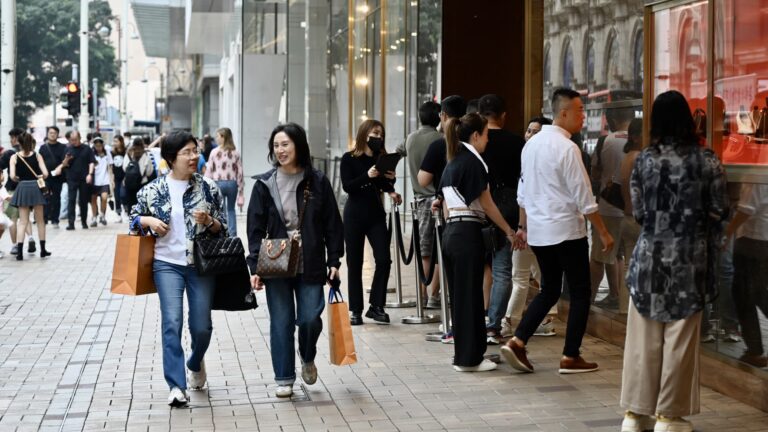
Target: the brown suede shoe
pixel 570 365
pixel 755 360
pixel 516 357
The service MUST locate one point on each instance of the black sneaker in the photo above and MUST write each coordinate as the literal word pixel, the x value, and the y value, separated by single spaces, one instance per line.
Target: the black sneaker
pixel 70 228
pixel 31 247
pixel 85 225
pixel 377 314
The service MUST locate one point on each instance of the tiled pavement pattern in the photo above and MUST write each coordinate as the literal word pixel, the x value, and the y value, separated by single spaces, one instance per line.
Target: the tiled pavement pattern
pixel 75 357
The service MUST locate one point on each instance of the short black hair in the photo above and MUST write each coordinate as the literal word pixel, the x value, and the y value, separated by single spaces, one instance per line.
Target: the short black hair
pixel 67 134
pixel 138 142
pixel 56 128
pixel 15 132
pixel 491 106
pixel 454 106
pixel 172 144
pixel 561 95
pixel 429 114
pixel 299 137
pixel 540 120
pixel 472 106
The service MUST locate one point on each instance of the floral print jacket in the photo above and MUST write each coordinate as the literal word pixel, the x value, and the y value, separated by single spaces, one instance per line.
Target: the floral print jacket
pixel 154 200
pixel 680 200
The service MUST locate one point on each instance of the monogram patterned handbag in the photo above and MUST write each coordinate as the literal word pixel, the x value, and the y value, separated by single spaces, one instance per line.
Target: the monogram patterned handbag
pixel 279 258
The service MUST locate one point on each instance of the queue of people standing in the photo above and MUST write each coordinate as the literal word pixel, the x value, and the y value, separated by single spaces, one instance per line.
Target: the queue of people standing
pixel 515 206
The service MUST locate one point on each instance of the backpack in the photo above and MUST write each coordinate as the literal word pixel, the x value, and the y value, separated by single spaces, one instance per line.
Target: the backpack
pixel 133 176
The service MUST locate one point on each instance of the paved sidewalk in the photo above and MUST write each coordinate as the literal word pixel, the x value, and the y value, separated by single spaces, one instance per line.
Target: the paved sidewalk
pixel 75 357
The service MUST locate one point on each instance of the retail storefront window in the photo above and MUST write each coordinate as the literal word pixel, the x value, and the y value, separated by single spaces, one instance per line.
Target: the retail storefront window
pixel 384 62
pixel 596 48
pixel 723 72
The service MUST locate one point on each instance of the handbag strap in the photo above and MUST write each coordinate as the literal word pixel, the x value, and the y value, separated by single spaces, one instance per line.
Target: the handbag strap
pixel 303 207
pixel 25 162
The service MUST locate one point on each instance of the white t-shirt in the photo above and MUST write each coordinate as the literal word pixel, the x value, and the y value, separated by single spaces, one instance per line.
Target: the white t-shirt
pixel 101 172
pixel 172 247
pixel 754 202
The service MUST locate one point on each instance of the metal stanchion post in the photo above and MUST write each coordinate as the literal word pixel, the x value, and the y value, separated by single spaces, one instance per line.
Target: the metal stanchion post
pixel 419 318
pixel 445 311
pixel 399 303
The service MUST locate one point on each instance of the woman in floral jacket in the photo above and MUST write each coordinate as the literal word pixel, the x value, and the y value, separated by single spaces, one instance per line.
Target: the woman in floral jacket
pixel 178 208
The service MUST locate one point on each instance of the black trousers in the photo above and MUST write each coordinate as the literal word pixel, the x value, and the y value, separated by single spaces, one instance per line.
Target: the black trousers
pixel 80 192
pixel 569 258
pixel 53 208
pixel 355 233
pixel 750 289
pixel 464 258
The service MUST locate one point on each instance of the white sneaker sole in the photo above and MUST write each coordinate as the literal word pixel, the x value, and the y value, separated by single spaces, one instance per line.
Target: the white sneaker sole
pixel 576 371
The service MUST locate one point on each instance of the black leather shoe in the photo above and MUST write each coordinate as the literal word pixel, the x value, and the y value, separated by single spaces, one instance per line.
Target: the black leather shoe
pixel 377 314
pixel 85 225
pixel 356 318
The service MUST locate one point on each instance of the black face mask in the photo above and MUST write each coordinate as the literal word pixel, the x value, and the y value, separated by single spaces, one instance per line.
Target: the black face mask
pixel 375 144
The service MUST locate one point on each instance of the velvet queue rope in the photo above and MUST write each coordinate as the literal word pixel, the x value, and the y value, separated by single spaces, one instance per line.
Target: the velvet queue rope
pixel 414 251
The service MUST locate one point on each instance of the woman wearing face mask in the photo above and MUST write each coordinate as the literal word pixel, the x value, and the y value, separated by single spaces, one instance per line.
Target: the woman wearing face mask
pixel 466 200
pixel 277 201
pixel 364 216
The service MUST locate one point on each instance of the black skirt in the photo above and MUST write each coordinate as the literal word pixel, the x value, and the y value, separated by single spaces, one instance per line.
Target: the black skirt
pixel 27 194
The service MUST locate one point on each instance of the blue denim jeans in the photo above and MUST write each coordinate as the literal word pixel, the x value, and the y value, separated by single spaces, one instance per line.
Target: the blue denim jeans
pixel 285 314
pixel 171 280
pixel 229 190
pixel 501 271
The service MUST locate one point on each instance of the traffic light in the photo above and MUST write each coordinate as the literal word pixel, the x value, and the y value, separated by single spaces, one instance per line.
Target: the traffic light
pixel 73 98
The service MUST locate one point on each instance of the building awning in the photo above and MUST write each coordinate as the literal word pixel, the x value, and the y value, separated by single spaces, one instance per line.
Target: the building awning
pixel 161 25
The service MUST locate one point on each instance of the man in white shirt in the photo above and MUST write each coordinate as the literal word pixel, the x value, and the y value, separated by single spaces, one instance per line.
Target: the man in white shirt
pixel 554 195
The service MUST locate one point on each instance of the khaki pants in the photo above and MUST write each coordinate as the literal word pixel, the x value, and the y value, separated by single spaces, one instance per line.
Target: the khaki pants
pixel 661 366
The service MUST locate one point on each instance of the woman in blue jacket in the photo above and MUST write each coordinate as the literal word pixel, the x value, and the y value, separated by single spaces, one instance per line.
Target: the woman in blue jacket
pixel 276 202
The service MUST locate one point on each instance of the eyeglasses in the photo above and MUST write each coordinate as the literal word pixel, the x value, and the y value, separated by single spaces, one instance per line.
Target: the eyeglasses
pixel 190 153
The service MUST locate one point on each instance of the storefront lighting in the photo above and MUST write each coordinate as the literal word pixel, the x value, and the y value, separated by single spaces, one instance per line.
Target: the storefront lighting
pixel 394 47
pixel 363 117
pixel 400 68
pixel 361 81
pixel 414 34
pixel 363 9
pixel 399 113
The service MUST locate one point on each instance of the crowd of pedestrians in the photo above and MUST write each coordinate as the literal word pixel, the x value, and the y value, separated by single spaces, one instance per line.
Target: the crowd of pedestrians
pixel 517 212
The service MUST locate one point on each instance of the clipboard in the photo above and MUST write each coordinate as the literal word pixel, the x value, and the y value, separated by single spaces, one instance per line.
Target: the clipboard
pixel 387 162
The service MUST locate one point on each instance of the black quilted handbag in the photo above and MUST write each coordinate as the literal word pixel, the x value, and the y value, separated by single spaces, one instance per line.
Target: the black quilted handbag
pixel 215 256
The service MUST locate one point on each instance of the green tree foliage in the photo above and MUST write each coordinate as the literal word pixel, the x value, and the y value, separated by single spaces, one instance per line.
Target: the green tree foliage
pixel 48 44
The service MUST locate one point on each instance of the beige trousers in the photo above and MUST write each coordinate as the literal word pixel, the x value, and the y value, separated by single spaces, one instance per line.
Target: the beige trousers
pixel 661 366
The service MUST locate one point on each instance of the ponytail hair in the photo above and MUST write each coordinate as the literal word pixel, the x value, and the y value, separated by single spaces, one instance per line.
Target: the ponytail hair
pixel 460 130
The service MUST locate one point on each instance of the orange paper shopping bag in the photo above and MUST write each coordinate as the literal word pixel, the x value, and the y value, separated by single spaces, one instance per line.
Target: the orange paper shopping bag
pixel 342 345
pixel 132 270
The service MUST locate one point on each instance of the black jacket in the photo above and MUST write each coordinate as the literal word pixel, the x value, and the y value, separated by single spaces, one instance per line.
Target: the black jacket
pixel 322 233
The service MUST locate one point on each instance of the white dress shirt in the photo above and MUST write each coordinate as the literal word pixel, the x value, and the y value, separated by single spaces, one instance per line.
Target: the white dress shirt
pixel 754 202
pixel 554 188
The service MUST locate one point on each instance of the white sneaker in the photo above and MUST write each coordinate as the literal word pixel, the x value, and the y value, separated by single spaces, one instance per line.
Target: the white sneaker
pixel 546 328
pixel 672 424
pixel 484 366
pixel 284 391
pixel 177 398
pixel 637 422
pixel 196 380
